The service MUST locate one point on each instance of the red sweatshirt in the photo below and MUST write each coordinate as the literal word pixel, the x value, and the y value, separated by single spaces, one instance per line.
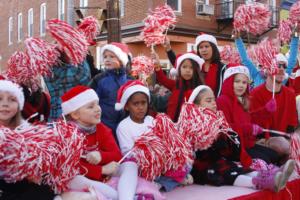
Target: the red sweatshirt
pixel 173 99
pixel 284 116
pixel 103 141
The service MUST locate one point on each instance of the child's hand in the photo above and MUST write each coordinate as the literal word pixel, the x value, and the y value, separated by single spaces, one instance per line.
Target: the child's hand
pixel 155 59
pixel 235 34
pixel 110 168
pixel 167 44
pixel 93 157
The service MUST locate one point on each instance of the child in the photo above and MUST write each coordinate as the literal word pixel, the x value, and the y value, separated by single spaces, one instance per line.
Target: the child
pixel 115 58
pixel 207 49
pixel 80 105
pixel 11 105
pixel 188 68
pixel 134 98
pixel 215 165
pixel 234 102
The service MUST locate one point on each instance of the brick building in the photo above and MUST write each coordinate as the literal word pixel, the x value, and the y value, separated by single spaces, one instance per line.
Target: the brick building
pixel 20 19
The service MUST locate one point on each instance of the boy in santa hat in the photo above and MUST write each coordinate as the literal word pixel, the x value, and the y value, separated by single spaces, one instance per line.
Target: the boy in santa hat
pixel 80 105
pixel 116 57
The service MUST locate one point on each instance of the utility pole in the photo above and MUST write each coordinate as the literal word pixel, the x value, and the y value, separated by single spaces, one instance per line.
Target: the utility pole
pixel 113 21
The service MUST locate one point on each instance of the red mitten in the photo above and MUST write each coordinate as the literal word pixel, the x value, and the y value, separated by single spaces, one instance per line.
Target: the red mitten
pixel 271 106
pixel 256 129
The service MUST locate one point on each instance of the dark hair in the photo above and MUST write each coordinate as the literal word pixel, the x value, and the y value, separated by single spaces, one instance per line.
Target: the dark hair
pixel 184 85
pixel 216 58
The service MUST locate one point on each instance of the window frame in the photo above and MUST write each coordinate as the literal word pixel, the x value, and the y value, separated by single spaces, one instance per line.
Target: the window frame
pixel 10 30
pixel 43 17
pixel 179 5
pixel 20 27
pixel 30 22
pixel 61 9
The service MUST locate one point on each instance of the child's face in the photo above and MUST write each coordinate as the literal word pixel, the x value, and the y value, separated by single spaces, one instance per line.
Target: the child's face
pixel 9 107
pixel 205 50
pixel 208 100
pixel 186 70
pixel 111 61
pixel 88 115
pixel 137 106
pixel 240 84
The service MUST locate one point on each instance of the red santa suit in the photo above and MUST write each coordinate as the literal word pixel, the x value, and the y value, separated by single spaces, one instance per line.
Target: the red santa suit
pixel 103 141
pixel 285 117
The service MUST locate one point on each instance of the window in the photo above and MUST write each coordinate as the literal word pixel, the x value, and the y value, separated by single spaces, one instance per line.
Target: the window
pixel 43 19
pixel 20 27
pixel 122 7
pixel 61 9
pixel 83 3
pixel 190 47
pixel 10 30
pixel 175 4
pixel 30 22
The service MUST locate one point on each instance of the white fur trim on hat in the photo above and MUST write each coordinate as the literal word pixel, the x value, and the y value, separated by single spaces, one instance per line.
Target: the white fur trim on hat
pixel 78 101
pixel 127 94
pixel 192 56
pixel 196 91
pixel 173 71
pixel 281 58
pixel 205 38
pixel 123 57
pixel 236 70
pixel 14 89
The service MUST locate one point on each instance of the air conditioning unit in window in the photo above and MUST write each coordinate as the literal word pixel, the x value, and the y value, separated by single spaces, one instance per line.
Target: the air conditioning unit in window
pixel 203 9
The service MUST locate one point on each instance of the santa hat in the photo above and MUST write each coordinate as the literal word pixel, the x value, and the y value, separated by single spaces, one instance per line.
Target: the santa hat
pixel 77 97
pixel 196 91
pixel 191 56
pixel 239 69
pixel 119 49
pixel 281 58
pixel 14 89
pixel 128 89
pixel 205 38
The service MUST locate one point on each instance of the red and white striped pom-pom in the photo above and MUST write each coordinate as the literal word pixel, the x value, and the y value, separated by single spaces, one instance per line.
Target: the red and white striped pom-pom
pixel 42 56
pixel 70 41
pixel 251 51
pixel 152 33
pixel 89 27
pixel 294 13
pixel 42 154
pixel 156 25
pixel 266 53
pixel 19 68
pixel 200 126
pixel 284 30
pixel 230 55
pixel 295 150
pixel 166 16
pixel 178 149
pixel 142 65
pixel 150 154
pixel 253 18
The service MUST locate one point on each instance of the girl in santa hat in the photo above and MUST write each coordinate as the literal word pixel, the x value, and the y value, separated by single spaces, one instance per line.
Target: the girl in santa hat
pixel 188 67
pixel 11 105
pixel 217 165
pixel 234 102
pixel 134 98
pixel 213 69
pixel 80 105
pixel 116 57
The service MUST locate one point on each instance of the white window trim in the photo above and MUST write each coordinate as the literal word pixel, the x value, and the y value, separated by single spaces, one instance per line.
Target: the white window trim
pixel 165 63
pixel 10 30
pixel 83 3
pixel 190 47
pixel 43 17
pixel 30 22
pixel 20 27
pixel 61 9
pixel 122 8
pixel 179 5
